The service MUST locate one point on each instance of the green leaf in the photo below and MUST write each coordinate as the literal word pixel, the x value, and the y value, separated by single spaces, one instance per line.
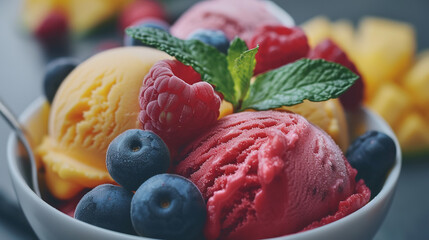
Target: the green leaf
pixel 206 60
pixel 241 63
pixel 236 48
pixel 315 80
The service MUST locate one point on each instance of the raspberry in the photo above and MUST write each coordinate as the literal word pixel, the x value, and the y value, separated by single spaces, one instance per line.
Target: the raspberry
pixel 278 45
pixel 329 51
pixel 176 104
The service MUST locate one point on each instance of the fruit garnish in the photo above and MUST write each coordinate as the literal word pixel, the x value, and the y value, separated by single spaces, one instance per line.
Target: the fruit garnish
pixel 278 45
pixel 168 206
pixel 136 155
pixel 373 155
pixel 107 206
pixel 176 104
pixel 315 80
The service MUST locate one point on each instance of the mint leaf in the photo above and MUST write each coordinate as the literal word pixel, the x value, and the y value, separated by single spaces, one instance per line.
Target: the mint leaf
pixel 206 60
pixel 241 63
pixel 236 48
pixel 315 80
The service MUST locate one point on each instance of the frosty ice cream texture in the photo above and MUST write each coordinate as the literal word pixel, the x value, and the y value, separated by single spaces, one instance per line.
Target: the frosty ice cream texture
pixel 233 17
pixel 96 102
pixel 266 174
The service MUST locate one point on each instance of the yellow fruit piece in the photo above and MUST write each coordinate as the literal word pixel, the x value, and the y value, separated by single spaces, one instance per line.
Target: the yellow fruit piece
pixel 413 133
pixel 225 109
pixel 85 15
pixel 317 30
pixel 385 50
pixel 328 115
pixel 35 11
pixel 391 103
pixel 343 34
pixel 416 81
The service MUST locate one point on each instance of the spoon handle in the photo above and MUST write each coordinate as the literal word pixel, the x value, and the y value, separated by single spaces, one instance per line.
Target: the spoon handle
pixel 9 117
pixel 19 130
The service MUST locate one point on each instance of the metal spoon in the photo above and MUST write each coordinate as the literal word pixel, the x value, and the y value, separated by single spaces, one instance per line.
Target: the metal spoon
pixel 20 132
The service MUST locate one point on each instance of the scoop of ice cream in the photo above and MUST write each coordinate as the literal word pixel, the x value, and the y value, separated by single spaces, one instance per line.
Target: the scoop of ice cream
pixel 94 104
pixel 233 17
pixel 269 173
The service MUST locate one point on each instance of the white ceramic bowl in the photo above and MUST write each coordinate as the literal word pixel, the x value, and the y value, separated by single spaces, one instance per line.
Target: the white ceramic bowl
pixel 49 223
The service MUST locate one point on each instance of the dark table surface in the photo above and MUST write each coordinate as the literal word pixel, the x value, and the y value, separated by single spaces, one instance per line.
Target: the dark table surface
pixel 21 70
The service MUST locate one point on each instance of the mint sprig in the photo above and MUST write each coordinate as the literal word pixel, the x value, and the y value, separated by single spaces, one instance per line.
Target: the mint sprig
pixel 241 63
pixel 315 80
pixel 206 60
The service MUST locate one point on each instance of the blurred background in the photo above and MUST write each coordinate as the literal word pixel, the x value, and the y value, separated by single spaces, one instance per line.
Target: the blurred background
pixel 23 58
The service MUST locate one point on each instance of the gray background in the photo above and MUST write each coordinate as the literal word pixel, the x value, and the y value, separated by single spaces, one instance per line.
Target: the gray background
pixel 22 65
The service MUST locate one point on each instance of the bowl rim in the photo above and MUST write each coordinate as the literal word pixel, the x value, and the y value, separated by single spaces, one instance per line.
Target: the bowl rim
pixel 19 182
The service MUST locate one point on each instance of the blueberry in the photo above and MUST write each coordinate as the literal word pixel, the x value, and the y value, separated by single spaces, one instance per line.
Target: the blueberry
pixel 136 155
pixel 56 71
pixel 106 206
pixel 373 155
pixel 168 206
pixel 215 38
pixel 152 23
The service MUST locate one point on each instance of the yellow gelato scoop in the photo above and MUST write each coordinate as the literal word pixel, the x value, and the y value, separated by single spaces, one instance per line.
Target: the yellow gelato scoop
pixel 95 103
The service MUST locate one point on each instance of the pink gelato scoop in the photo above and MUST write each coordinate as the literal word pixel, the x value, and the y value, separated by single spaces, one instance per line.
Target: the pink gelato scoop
pixel 268 174
pixel 233 17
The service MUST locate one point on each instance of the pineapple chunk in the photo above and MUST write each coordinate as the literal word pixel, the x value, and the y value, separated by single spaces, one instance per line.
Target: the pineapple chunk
pixel 342 33
pixel 391 103
pixel 85 15
pixel 317 30
pixel 413 133
pixel 385 50
pixel 35 11
pixel 225 108
pixel 416 81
